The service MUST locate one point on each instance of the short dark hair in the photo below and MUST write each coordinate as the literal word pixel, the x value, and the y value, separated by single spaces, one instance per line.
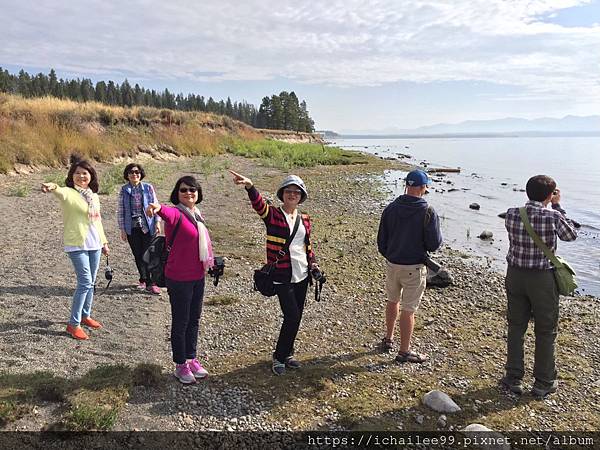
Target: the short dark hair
pixel 191 182
pixel 540 187
pixel 76 162
pixel 128 167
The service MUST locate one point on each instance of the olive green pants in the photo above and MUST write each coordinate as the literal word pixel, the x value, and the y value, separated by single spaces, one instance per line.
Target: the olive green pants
pixel 531 294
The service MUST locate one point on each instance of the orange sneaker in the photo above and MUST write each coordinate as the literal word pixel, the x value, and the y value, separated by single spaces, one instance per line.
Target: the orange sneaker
pixel 91 323
pixel 77 332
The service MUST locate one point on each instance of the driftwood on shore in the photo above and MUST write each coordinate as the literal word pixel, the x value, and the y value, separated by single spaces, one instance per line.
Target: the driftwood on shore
pixel 443 169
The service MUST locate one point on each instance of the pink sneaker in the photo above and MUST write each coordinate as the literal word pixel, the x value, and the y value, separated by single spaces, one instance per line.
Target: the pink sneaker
pixel 184 374
pixel 142 285
pixel 154 289
pixel 196 368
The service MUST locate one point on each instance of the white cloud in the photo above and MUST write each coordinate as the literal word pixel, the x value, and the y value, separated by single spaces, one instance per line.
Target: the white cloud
pixel 342 43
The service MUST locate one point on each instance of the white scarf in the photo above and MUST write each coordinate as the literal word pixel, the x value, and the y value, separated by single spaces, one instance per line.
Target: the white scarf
pixel 93 210
pixel 204 243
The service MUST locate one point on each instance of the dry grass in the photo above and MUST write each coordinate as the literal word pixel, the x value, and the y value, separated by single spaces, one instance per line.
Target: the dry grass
pixel 45 131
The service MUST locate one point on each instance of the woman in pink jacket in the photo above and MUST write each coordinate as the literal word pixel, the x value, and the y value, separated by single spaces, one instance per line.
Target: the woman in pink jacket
pixel 190 257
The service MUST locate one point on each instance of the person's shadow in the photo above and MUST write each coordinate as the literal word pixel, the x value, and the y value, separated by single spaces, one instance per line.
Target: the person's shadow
pixel 267 390
pixel 36 290
pixel 34 327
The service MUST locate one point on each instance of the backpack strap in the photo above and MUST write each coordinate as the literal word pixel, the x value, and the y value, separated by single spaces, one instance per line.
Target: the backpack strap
pixel 538 241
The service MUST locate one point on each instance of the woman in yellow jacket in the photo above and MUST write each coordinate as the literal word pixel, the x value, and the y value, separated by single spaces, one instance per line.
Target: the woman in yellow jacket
pixel 84 238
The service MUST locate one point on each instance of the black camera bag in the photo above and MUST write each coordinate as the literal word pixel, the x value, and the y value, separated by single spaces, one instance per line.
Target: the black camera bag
pixel 263 277
pixel 156 256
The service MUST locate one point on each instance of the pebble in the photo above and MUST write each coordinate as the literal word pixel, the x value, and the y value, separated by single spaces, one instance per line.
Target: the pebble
pixel 442 421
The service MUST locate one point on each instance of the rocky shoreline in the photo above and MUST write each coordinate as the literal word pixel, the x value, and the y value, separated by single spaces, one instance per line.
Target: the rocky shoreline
pixel 345 382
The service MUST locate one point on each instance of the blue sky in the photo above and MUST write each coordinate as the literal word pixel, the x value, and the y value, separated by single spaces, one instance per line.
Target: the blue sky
pixel 360 65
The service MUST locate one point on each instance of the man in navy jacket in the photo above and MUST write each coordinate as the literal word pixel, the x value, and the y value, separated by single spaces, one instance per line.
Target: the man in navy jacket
pixel 408 229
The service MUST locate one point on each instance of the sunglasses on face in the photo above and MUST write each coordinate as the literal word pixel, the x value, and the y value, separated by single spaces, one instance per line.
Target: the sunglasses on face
pixel 185 190
pixel 134 172
pixel 292 191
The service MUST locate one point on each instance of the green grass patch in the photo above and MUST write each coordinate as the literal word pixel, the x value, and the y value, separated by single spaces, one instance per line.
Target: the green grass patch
pixel 11 411
pixel 206 166
pixel 222 300
pixel 89 417
pixel 19 190
pixel 56 177
pixel 284 155
pixel 93 402
pixel 111 180
pixel 149 375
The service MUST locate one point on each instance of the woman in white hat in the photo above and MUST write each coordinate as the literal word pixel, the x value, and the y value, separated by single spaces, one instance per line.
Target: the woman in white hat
pixel 292 271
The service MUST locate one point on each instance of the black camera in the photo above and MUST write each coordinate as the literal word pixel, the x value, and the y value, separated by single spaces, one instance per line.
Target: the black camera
pixel 108 272
pixel 318 275
pixel 217 269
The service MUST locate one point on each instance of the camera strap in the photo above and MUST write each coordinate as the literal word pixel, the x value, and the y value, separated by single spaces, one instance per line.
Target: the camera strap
pixel 318 289
pixel 107 269
pixel 289 240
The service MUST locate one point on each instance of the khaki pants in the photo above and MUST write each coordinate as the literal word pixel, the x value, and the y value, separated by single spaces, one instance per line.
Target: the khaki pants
pixel 406 284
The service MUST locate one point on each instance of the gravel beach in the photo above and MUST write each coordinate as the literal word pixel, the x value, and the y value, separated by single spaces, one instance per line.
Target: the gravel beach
pixel 345 382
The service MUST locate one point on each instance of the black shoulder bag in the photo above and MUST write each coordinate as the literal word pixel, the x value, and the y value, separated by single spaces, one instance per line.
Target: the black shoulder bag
pixel 263 277
pixel 156 256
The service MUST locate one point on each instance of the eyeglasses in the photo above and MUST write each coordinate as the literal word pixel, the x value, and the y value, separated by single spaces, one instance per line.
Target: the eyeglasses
pixel 134 172
pixel 192 190
pixel 292 191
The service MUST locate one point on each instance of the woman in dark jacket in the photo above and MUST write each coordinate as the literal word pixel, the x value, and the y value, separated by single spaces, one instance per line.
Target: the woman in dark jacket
pixel 136 227
pixel 292 271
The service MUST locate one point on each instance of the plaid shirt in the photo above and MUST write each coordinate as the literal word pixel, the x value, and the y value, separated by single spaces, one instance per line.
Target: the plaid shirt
pixel 547 223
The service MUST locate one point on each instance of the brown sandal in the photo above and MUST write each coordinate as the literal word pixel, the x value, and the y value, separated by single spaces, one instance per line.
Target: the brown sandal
pixel 411 357
pixel 387 344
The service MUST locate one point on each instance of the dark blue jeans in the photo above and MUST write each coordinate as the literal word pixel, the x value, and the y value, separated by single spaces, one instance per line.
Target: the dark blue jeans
pixel 186 307
pixel 292 297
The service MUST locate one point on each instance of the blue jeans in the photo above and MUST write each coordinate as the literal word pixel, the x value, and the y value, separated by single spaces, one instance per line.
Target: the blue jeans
pixel 86 263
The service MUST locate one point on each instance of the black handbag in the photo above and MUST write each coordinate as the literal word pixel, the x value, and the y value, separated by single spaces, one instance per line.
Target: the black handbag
pixel 156 256
pixel 263 277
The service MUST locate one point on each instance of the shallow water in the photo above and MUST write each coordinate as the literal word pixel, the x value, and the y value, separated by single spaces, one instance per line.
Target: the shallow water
pixel 493 170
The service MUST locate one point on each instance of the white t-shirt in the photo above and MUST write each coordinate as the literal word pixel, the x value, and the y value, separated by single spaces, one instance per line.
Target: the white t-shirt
pixel 92 241
pixel 297 250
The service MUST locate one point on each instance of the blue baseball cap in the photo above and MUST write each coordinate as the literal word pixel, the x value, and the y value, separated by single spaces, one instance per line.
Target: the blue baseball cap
pixel 417 178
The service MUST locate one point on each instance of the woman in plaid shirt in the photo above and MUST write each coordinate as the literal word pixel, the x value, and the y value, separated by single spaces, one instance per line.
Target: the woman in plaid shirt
pixel 530 286
pixel 136 227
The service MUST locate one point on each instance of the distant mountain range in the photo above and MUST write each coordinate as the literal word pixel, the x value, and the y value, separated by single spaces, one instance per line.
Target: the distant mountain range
pixel 510 126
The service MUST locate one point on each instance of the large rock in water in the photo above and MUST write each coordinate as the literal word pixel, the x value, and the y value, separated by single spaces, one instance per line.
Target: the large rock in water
pixel 486 234
pixel 439 279
pixel 440 402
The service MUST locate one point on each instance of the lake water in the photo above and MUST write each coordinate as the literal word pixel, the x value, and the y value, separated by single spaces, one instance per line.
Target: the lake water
pixel 492 172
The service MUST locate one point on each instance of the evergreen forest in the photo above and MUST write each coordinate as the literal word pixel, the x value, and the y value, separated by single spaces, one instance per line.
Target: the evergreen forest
pixel 278 112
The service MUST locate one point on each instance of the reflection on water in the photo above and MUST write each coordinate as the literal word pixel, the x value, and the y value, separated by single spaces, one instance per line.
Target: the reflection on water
pixel 493 174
